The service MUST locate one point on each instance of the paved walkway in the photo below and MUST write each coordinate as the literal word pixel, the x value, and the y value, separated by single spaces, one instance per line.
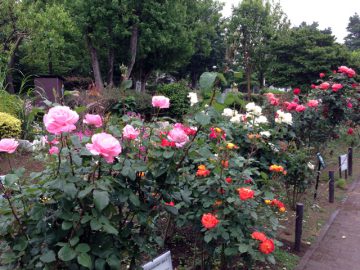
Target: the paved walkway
pixel 338 246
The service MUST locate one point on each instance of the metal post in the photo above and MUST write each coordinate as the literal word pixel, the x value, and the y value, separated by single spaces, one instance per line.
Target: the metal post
pixel 317 180
pixel 298 225
pixel 339 166
pixel 331 186
pixel 350 160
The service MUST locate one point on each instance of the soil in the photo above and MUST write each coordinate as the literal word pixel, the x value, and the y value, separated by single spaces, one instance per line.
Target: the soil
pixel 19 160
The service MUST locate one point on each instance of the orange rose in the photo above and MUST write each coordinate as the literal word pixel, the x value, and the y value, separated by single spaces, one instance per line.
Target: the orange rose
pixel 259 236
pixel 225 163
pixel 209 221
pixel 245 193
pixel 282 209
pixel 231 146
pixel 218 203
pixel 276 168
pixel 202 171
pixel 267 246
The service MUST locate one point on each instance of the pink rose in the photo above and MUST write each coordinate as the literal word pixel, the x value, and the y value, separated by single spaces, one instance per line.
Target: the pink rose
pixel 322 75
pixel 349 105
pixel 93 119
pixel 313 86
pixel 290 106
pixel 324 86
pixel 313 103
pixel 300 108
pixel 8 145
pixel 105 145
pixel 348 71
pixel 178 136
pixel 336 87
pixel 53 150
pixel 60 119
pixel 160 102
pixel 130 133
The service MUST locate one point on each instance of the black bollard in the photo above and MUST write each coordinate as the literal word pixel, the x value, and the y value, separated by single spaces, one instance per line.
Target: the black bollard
pixel 298 225
pixel 350 160
pixel 340 167
pixel 331 186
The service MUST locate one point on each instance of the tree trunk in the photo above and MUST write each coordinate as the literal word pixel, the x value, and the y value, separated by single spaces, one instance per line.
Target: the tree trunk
pixel 248 80
pixel 144 79
pixel 133 49
pixel 111 57
pixel 10 66
pixel 95 65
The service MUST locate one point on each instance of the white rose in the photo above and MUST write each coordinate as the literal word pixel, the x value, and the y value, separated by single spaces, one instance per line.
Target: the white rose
pixel 229 112
pixel 266 134
pixel 193 98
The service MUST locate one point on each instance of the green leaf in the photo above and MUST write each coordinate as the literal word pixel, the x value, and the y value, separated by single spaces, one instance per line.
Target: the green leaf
pixel 243 248
pixel 173 210
pixel 110 229
pixel 207 80
pixel 95 225
pixel 70 190
pixel 66 225
pixel 82 247
pixel 21 244
pixel 66 253
pixel 100 264
pixel 101 199
pixel 85 192
pixel 73 241
pixel 271 259
pixel 168 154
pixel 208 238
pixel 48 257
pixel 113 261
pixel 126 84
pixel 202 118
pixel 134 199
pixel 85 260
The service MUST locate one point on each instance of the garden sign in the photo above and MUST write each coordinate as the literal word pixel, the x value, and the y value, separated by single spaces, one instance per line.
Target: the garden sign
pixel 163 262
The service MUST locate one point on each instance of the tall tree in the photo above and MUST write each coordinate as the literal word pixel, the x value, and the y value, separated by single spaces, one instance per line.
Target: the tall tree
pixel 352 40
pixel 253 24
pixel 302 53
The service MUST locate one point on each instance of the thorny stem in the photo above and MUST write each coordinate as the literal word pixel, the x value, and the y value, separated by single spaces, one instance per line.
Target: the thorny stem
pixel 59 155
pixel 188 148
pixel 8 158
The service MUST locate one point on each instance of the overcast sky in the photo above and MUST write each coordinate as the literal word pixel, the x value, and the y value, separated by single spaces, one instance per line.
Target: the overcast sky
pixel 328 13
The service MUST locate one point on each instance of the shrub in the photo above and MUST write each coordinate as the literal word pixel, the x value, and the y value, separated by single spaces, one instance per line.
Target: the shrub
pixel 10 127
pixel 341 183
pixel 10 104
pixel 178 94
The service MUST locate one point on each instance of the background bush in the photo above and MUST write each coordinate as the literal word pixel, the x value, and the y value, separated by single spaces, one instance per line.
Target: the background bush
pixel 10 127
pixel 10 104
pixel 177 93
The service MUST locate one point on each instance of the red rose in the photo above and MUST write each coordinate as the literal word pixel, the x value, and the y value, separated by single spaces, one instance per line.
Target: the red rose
pixel 350 131
pixel 349 105
pixel 228 180
pixel 322 75
pixel 297 91
pixel 267 246
pixel 259 236
pixel 336 87
pixel 170 203
pixel 313 86
pixel 245 194
pixel 209 221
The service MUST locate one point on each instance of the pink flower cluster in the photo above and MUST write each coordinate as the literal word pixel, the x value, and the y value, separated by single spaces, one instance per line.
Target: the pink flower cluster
pixel 348 71
pixel 272 99
pixel 130 133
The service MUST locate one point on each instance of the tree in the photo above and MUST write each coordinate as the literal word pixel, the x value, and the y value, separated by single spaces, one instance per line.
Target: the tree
pixel 51 45
pixel 253 24
pixel 11 36
pixel 352 40
pixel 302 53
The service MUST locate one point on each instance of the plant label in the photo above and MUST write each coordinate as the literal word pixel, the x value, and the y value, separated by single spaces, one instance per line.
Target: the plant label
pixel 163 262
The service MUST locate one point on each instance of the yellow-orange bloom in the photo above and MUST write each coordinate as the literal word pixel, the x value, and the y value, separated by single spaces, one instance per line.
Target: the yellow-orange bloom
pixel 218 130
pixel 276 168
pixel 231 146
pixel 282 209
pixel 267 202
pixel 202 171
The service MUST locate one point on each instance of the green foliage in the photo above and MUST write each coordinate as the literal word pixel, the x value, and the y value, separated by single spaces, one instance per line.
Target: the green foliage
pixel 341 183
pixel 178 94
pixel 352 40
pixel 10 127
pixel 11 104
pixel 301 54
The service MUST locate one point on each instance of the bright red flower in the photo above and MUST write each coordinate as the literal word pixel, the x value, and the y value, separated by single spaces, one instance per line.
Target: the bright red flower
pixel 297 91
pixel 259 236
pixel 248 181
pixel 202 171
pixel 225 163
pixel 245 193
pixel 350 131
pixel 322 75
pixel 209 221
pixel 336 87
pixel 349 105
pixel 324 86
pixel 267 246
pixel 166 143
pixel 170 203
pixel 228 180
